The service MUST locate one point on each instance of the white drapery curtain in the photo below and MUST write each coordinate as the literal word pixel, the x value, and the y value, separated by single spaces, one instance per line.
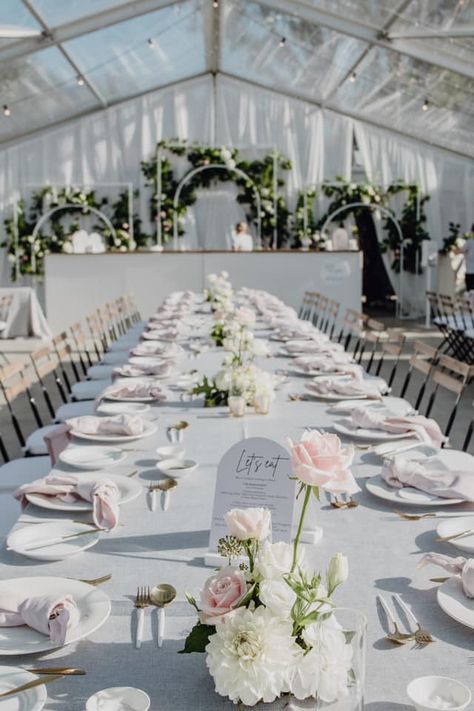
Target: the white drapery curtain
pixel 448 180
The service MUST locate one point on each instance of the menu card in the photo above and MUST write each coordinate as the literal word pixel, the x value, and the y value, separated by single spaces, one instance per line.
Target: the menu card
pixel 254 473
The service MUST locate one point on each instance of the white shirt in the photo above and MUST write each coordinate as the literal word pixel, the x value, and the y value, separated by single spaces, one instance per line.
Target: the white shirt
pixel 468 251
pixel 242 242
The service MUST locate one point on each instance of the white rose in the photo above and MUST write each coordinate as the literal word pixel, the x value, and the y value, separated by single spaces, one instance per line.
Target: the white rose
pixel 277 596
pixel 274 560
pixel 249 523
pixel 223 380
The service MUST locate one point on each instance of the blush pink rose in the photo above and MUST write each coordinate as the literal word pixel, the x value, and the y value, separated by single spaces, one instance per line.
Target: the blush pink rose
pixel 319 459
pixel 221 594
pixel 249 523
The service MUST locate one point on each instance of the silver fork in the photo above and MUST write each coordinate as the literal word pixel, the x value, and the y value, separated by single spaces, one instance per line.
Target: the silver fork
pixel 142 600
pixel 422 637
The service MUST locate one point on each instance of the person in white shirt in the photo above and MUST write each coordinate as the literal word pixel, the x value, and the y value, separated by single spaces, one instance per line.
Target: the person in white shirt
pixel 468 251
pixel 242 240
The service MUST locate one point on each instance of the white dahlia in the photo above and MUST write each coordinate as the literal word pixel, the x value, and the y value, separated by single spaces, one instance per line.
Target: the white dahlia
pixel 250 655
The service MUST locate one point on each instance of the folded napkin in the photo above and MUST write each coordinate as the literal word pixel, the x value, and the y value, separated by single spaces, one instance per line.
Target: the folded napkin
pixel 430 475
pixel 422 428
pixel 126 425
pixel 135 390
pixel 162 334
pixel 52 615
pixel 327 365
pixel 313 346
pixel 103 494
pixel 462 568
pixel 130 370
pixel 347 388
pixel 150 348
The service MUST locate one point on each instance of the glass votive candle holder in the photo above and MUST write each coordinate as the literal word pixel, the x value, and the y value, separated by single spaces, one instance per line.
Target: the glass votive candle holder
pixel 262 403
pixel 237 405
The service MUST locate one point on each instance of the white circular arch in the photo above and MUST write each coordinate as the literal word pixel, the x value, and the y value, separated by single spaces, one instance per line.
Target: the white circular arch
pixel 387 213
pixel 214 166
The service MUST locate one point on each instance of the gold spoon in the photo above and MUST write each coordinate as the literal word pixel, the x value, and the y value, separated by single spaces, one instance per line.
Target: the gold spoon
pixel 162 595
pixel 414 517
pixel 445 539
pixel 66 671
pixel 396 636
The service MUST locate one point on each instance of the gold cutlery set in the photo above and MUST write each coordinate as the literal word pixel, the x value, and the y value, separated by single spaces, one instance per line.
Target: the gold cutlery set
pixel 160 596
pixel 51 674
pixel 421 637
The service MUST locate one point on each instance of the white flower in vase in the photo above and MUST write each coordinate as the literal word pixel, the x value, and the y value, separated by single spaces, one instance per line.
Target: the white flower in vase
pixel 277 596
pixel 223 380
pixel 274 560
pixel 250 656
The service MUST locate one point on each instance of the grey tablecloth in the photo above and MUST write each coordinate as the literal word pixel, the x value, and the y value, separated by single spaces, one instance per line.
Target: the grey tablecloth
pixel 25 316
pixel 169 547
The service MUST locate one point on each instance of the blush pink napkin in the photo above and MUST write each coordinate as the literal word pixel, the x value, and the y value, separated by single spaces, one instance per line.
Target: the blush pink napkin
pixel 424 429
pixel 103 494
pixel 322 365
pixel 158 349
pixel 462 568
pixel 57 441
pixel 126 425
pixel 430 475
pixel 51 615
pixel 347 388
pixel 313 346
pixel 130 370
pixel 134 391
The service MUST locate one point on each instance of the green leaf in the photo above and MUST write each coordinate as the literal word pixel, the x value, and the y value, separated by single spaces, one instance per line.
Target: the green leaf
pixel 198 639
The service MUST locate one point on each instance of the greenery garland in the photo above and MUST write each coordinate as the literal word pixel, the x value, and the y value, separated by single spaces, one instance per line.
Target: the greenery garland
pixel 412 219
pixel 259 172
pixel 58 235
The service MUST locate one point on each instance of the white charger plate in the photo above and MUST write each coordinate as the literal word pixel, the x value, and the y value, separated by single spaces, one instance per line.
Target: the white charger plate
pixel 375 435
pixel 36 533
pixel 124 408
pixel 131 698
pixel 93 604
pixel 92 458
pixel 454 602
pixel 408 496
pixel 32 700
pixel 150 428
pixel 456 525
pixel 129 489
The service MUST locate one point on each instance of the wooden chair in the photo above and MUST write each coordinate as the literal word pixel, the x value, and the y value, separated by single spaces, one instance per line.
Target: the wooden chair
pixel 63 351
pixel 331 318
pixel 320 317
pixel 371 342
pixel 352 327
pixel 392 347
pixel 423 360
pixel 81 344
pixel 306 306
pixel 45 363
pixel 451 375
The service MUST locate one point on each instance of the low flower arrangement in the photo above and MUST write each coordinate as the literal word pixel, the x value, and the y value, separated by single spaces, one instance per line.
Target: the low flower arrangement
pixel 268 625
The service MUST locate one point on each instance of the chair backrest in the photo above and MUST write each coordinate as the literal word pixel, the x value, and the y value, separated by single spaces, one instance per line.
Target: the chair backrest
pixel 319 318
pixel 133 308
pixel 393 347
pixel 332 314
pixel 96 334
pixel 370 342
pixel 423 360
pixel 451 375
pixel 306 306
pixel 81 345
pixel 15 380
pixel 63 351
pixel 45 362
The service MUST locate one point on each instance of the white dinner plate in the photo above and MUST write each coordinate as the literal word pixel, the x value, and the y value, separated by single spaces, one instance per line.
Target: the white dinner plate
pixel 91 458
pixel 452 526
pixel 129 489
pixel 150 361
pixel 37 533
pixel 131 400
pixel 32 700
pixel 411 497
pixel 388 406
pixel 315 372
pixel 124 408
pixel 150 428
pixel 333 397
pixel 454 602
pixel 344 428
pixel 120 697
pixel 93 604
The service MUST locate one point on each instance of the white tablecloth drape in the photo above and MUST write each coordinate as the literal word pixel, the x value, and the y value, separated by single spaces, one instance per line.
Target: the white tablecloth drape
pixel 152 547
pixel 25 315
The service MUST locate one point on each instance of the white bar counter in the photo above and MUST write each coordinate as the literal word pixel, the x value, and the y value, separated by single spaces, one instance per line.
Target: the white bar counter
pixel 76 283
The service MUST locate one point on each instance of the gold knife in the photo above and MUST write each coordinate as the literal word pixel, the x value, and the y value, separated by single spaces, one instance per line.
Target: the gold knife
pixel 31 685
pixel 64 671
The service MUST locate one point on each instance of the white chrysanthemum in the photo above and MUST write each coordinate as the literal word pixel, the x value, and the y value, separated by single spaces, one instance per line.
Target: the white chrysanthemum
pixel 250 656
pixel 275 559
pixel 324 669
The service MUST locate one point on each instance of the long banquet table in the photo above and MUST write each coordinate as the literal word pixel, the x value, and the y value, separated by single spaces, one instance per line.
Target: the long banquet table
pixel 152 547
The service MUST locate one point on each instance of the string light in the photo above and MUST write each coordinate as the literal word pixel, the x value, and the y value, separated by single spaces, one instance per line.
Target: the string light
pixel 426 105
pixel 282 41
pixel 353 77
pixel 6 110
pixel 80 81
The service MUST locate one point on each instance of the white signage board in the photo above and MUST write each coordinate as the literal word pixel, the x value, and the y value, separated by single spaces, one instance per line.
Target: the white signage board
pixel 254 473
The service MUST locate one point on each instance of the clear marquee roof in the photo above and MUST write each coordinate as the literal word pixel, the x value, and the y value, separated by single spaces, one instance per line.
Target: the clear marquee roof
pixel 407 65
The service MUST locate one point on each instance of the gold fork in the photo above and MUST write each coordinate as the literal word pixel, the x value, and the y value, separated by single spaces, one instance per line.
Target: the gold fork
pixel 343 503
pixel 142 600
pixel 414 517
pixel 422 637
pixel 95 581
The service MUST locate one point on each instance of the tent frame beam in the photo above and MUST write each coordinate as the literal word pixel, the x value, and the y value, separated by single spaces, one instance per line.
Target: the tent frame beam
pixel 373 36
pixel 291 95
pixel 82 26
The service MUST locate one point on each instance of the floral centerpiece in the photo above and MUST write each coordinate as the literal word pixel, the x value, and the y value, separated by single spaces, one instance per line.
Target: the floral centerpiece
pixel 218 292
pixel 268 625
